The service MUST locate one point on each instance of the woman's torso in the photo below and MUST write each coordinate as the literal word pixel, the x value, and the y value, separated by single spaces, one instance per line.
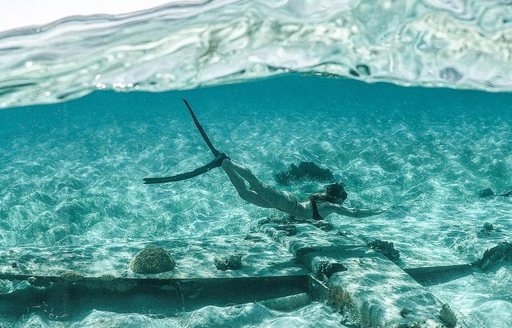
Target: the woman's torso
pixel 304 210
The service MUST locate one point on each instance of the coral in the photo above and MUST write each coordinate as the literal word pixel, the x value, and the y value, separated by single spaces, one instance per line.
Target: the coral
pixel 152 260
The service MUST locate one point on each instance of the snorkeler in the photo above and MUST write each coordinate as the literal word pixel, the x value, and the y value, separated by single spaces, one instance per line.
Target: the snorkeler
pixel 317 207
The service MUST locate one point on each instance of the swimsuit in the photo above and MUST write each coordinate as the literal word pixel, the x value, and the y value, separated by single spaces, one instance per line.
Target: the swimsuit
pixel 316 214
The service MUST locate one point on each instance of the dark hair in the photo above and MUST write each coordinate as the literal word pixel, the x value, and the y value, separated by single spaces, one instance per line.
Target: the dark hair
pixel 333 193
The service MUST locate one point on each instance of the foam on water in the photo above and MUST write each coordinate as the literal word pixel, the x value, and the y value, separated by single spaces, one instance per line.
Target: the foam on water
pixel 463 44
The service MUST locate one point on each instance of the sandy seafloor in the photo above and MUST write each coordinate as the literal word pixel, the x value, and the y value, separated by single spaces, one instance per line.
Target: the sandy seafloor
pixel 70 174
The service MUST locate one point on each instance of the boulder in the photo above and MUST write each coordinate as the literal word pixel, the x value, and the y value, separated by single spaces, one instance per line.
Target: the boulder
pixel 152 260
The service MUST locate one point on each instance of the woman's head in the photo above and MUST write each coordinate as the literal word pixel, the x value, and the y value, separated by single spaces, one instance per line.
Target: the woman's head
pixel 334 193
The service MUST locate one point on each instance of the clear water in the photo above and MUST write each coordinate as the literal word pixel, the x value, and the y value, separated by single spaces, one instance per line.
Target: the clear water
pixel 72 173
pixel 73 158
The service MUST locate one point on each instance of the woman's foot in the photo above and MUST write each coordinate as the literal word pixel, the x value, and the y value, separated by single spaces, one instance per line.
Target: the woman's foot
pixel 220 159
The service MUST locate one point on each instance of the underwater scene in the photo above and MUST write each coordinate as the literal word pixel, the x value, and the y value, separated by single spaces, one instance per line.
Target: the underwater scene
pixel 259 164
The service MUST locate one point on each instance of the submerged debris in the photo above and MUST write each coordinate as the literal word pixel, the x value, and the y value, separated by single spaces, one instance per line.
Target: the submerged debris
pixel 500 253
pixel 488 192
pixel 386 248
pixel 152 260
pixel 487 230
pixel 447 316
pixel 305 170
pixel 228 262
pixel 327 268
pixel 488 227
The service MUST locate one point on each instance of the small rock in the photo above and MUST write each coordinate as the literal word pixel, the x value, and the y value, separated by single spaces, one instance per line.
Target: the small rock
pixel 229 262
pixel 488 227
pixel 386 248
pixel 485 193
pixel 404 312
pixel 447 316
pixel 500 253
pixel 152 260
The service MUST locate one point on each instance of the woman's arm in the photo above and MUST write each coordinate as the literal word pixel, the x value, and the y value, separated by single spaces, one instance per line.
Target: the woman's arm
pixel 354 212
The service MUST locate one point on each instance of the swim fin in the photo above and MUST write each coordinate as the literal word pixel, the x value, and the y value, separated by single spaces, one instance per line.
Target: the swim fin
pixel 219 157
pixel 187 175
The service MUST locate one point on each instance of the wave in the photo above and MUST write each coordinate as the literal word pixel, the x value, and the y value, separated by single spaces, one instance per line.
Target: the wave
pixel 186 44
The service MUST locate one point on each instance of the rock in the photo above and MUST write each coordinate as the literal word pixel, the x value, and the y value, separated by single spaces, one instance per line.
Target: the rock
pixel 152 260
pixel 488 227
pixel 447 316
pixel 305 170
pixel 500 253
pixel 507 193
pixel 228 262
pixel 386 248
pixel 485 193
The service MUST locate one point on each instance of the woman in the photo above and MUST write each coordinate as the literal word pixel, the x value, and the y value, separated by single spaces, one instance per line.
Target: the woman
pixel 317 207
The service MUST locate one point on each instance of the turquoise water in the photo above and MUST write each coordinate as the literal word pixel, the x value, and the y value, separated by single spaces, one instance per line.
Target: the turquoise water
pixel 90 105
pixel 71 173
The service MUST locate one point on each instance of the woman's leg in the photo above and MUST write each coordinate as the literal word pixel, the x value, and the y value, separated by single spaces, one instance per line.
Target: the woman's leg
pixel 278 199
pixel 239 184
